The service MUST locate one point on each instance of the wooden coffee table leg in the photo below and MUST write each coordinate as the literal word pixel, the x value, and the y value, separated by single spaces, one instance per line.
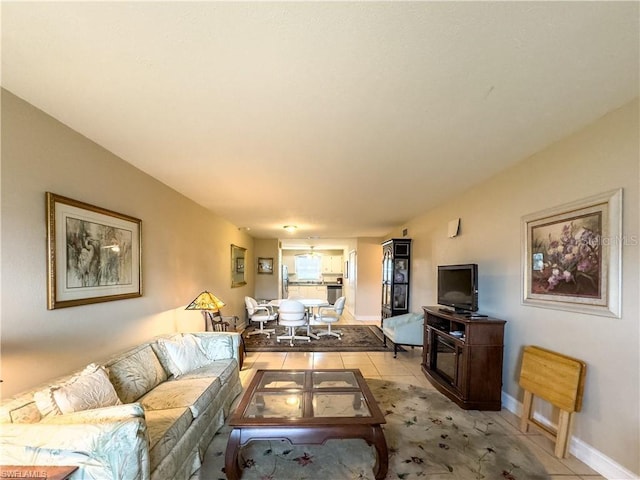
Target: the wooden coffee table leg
pixel 382 454
pixel 231 467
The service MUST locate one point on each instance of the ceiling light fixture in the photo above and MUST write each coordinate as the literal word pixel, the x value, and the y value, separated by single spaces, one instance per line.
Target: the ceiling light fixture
pixel 290 228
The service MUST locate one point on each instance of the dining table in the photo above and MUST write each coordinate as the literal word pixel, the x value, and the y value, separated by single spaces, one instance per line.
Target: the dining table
pixel 310 304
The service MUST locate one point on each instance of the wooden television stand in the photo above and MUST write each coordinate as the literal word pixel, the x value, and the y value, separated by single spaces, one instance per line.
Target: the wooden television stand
pixel 462 357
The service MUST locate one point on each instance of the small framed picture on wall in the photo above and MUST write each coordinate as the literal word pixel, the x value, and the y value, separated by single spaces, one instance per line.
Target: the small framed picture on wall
pixel 265 265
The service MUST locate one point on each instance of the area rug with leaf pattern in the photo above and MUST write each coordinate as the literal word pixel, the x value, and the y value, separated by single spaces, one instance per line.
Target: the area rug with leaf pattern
pixel 428 436
pixel 355 338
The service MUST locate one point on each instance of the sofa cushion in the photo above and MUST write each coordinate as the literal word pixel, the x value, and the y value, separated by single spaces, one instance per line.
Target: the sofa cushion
pixel 135 373
pixel 89 389
pixel 166 428
pixel 184 354
pixel 194 393
pixel 222 369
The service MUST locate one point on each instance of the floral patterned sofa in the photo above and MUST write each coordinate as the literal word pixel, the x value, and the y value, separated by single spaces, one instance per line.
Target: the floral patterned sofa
pixel 147 413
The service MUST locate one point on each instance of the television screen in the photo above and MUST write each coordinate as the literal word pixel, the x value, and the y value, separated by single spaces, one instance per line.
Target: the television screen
pixel 458 287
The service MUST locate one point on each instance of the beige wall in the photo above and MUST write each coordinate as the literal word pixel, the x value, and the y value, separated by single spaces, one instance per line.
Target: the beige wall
pixel 267 285
pixel 186 249
pixel 602 157
pixel 369 279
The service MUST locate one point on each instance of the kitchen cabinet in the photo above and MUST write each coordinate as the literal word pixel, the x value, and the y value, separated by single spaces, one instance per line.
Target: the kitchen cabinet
pixel 318 292
pixel 294 291
pixel 332 264
pixel 313 291
pixel 290 262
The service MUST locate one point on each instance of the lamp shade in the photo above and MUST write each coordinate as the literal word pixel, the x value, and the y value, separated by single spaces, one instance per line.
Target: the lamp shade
pixel 206 301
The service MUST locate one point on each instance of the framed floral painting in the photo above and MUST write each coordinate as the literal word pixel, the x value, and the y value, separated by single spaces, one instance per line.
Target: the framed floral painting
pixel 572 256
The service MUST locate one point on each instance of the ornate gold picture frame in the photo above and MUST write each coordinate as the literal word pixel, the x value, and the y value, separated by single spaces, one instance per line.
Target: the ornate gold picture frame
pixel 237 266
pixel 94 254
pixel 572 256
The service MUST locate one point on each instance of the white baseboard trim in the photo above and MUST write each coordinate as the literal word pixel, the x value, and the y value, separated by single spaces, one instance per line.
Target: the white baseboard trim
pixel 584 452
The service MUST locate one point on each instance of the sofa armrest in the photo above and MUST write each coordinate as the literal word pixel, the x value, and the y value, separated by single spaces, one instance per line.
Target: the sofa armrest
pixel 98 415
pixel 116 448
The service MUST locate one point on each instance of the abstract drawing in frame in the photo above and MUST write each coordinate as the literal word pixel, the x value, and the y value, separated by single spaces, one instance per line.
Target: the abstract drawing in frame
pixel 572 256
pixel 94 254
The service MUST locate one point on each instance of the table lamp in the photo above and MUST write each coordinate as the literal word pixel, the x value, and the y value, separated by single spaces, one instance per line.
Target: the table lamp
pixel 209 304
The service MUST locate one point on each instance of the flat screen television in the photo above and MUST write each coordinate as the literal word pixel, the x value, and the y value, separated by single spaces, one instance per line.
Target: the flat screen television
pixel 458 287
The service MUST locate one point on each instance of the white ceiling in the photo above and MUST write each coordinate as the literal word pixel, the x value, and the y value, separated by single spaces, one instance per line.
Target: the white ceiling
pixel 344 118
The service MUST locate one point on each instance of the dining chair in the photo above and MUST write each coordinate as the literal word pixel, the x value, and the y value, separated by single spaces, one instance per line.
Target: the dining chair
pixel 292 315
pixel 330 315
pixel 261 314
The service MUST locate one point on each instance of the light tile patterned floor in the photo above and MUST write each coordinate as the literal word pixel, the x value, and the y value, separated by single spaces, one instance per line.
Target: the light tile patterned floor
pixel 406 369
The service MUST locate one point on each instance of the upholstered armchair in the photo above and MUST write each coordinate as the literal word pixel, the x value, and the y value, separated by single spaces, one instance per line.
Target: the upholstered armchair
pixel 407 329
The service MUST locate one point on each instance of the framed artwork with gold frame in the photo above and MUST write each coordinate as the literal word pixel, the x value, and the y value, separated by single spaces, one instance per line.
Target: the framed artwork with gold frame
pixel 572 256
pixel 265 265
pixel 93 254
pixel 238 255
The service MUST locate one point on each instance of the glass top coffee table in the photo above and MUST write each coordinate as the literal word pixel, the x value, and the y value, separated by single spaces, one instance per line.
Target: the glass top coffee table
pixel 307 407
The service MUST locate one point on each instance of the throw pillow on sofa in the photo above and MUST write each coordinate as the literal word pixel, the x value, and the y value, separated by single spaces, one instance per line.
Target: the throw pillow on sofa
pixel 89 389
pixel 184 354
pixel 217 347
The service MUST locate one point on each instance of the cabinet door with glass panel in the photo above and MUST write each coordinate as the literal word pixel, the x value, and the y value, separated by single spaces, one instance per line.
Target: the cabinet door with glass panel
pixel 396 258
